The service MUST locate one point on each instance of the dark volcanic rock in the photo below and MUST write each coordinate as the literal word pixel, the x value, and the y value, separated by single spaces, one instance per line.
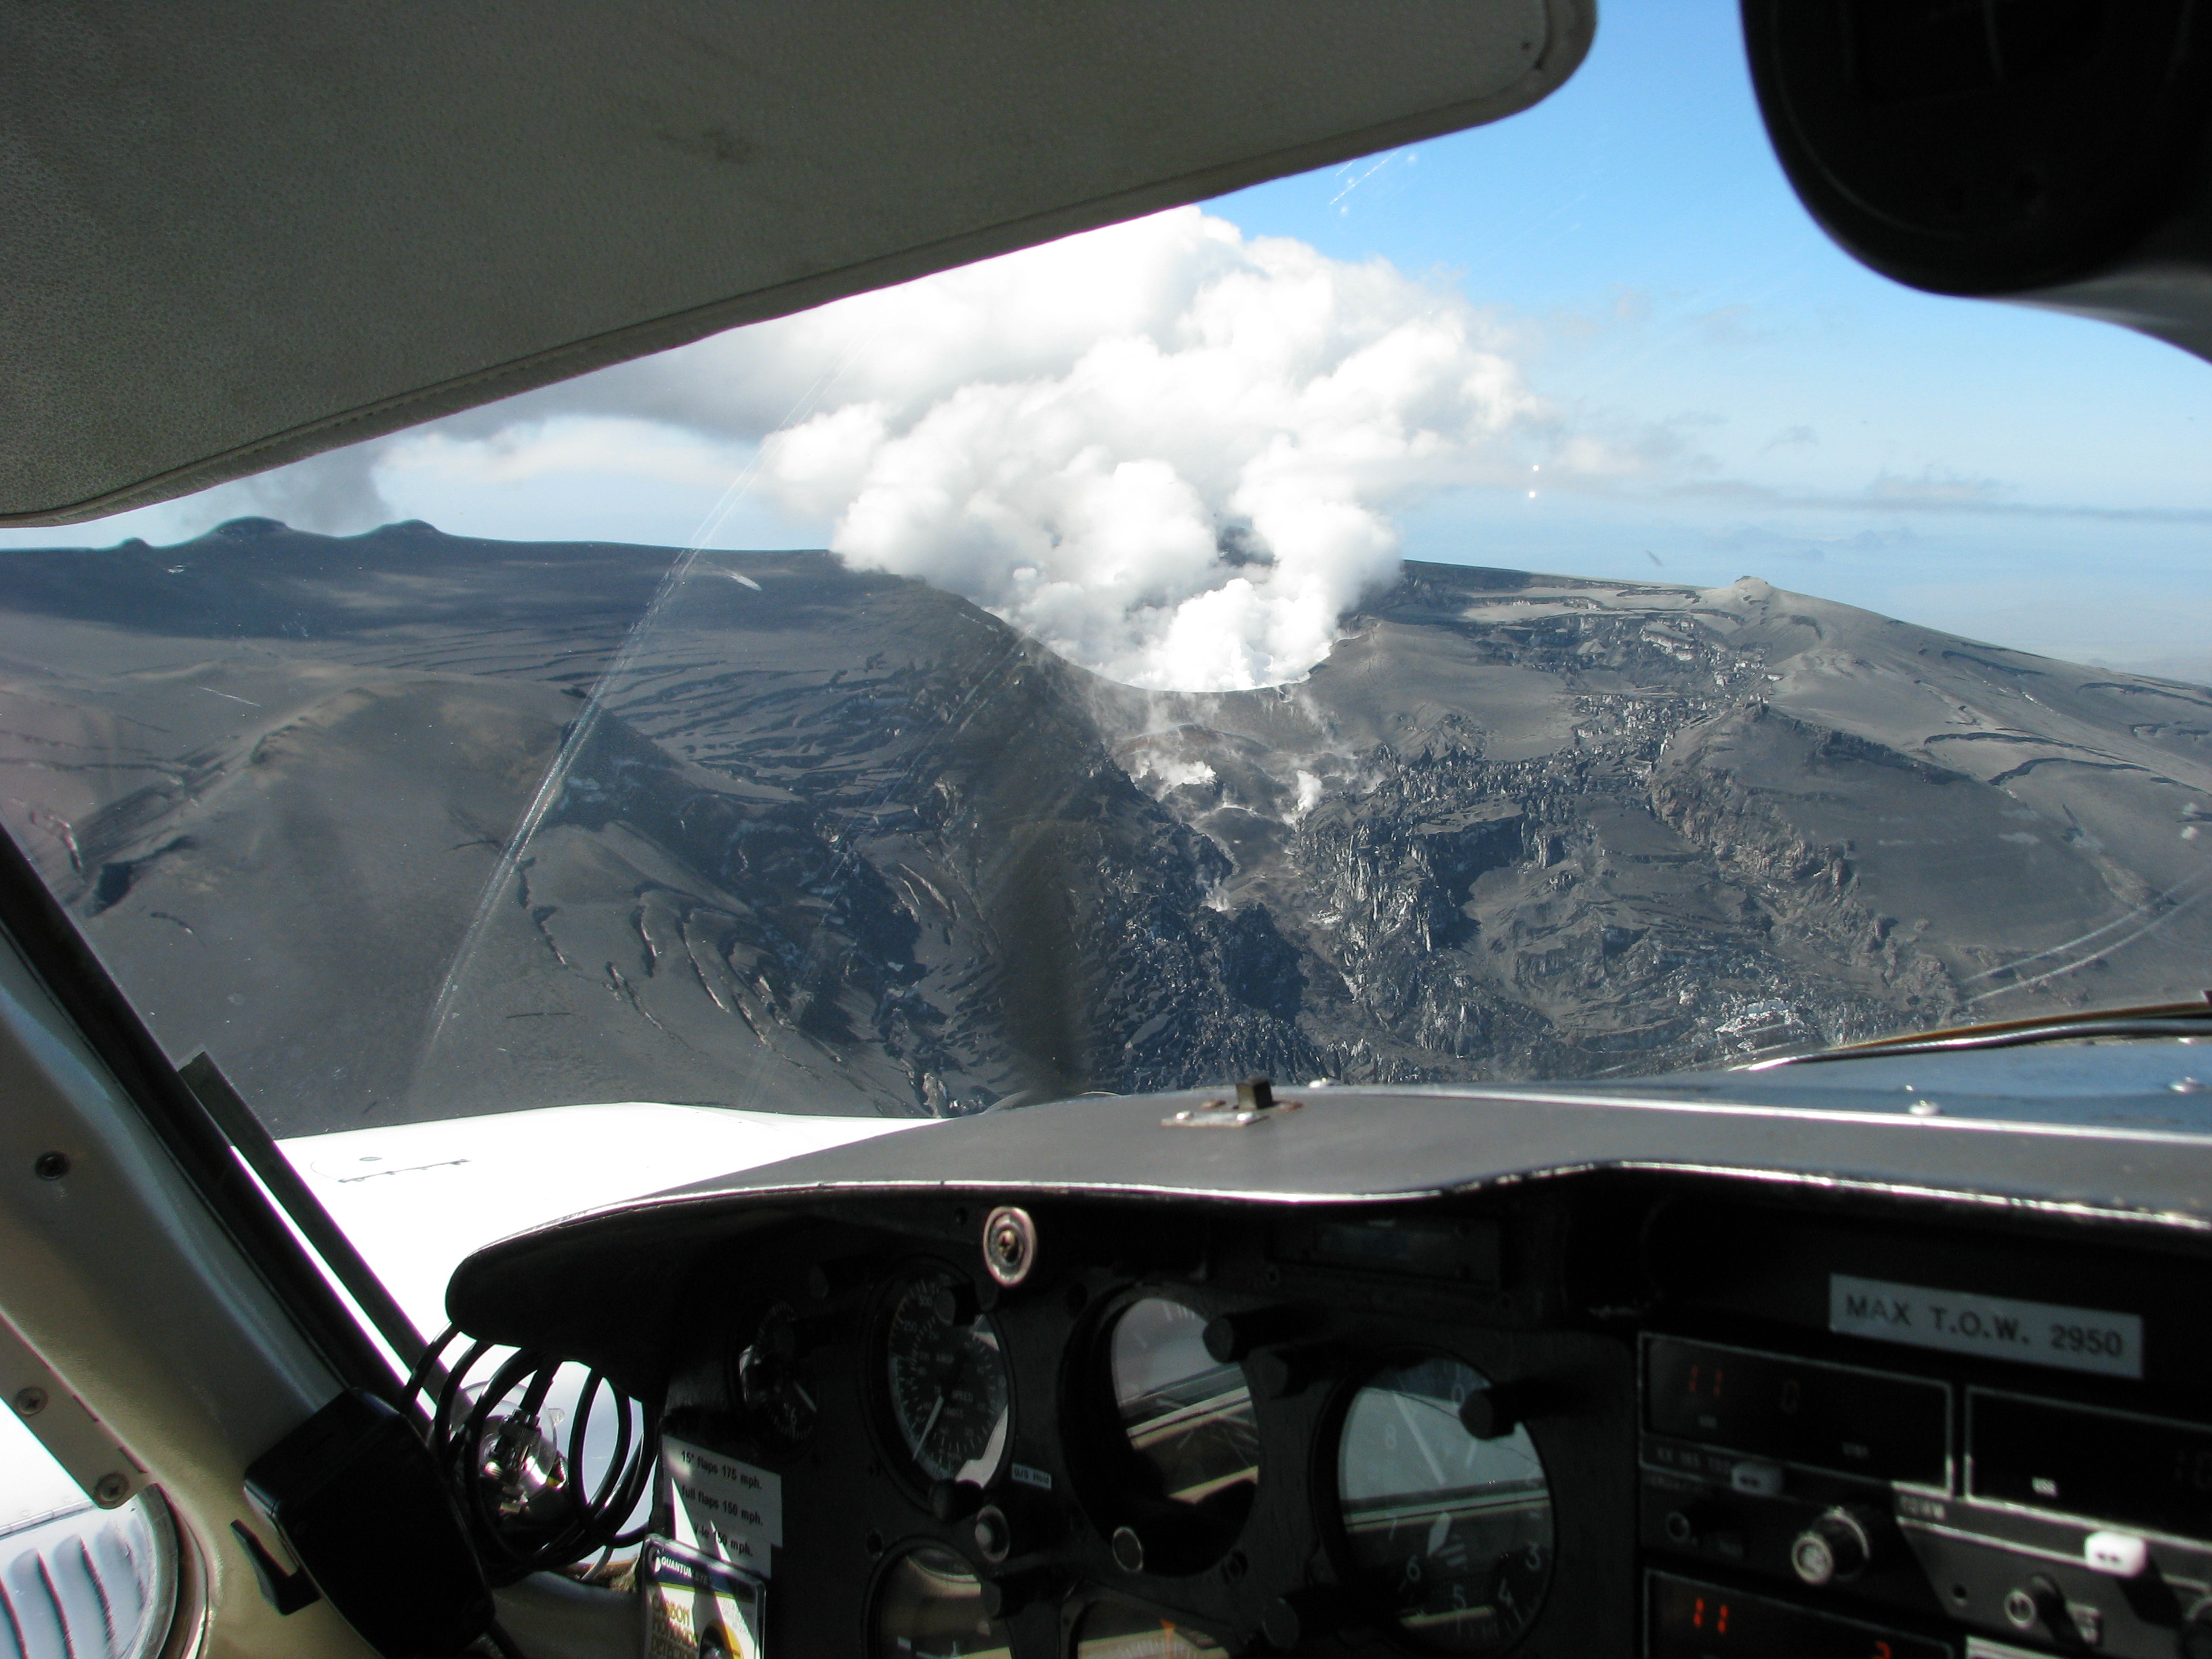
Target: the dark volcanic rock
pixel 1526 826
pixel 403 825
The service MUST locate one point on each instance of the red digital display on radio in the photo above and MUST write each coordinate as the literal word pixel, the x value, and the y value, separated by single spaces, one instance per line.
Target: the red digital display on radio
pixel 1695 1620
pixel 1799 1411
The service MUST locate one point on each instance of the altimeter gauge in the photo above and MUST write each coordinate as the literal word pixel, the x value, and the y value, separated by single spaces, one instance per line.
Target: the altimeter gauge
pixel 947 1378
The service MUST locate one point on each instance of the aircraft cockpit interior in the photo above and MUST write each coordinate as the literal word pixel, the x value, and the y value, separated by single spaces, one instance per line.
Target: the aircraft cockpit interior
pixel 966 1092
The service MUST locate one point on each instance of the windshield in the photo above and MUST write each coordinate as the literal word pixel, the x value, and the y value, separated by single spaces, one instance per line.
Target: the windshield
pixel 1520 607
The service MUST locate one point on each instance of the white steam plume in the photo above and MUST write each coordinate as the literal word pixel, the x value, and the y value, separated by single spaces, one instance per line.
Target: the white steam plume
pixel 1167 451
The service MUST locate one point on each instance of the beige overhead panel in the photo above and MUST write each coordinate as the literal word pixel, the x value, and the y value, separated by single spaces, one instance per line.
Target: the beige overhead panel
pixel 234 234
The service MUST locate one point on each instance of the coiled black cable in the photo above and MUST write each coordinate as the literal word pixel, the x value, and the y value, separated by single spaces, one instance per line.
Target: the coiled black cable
pixel 522 1492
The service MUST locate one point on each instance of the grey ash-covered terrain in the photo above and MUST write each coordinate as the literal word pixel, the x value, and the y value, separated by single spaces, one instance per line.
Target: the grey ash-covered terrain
pixel 404 825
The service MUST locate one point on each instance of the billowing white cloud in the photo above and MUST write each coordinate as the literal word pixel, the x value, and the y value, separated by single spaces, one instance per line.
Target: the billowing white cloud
pixel 566 445
pixel 1170 450
pixel 1167 450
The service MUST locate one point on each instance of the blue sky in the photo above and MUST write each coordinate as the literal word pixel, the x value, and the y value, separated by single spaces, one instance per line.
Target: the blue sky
pixel 2030 478
pixel 2065 500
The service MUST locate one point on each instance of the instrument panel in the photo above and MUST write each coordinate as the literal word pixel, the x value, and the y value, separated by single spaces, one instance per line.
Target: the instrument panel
pixel 1193 1435
pixel 1643 1418
pixel 1604 1407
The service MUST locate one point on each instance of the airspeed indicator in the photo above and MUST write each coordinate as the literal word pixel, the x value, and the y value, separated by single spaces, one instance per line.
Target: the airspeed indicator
pixel 947 1377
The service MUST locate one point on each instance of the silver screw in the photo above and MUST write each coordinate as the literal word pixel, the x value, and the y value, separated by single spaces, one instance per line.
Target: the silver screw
pixel 31 1401
pixel 111 1489
pixel 1009 1244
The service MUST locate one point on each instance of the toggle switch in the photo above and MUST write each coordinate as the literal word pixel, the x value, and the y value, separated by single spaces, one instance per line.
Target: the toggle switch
pixel 1756 1479
pixel 2116 1554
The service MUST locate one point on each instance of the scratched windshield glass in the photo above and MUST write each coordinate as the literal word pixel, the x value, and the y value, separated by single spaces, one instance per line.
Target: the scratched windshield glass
pixel 1457 618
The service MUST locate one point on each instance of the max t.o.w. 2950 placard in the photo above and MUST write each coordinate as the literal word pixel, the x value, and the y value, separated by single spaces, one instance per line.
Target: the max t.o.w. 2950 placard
pixel 1992 1327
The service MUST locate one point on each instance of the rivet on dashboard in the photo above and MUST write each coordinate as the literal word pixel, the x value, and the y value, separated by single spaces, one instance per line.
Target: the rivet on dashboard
pixel 1009 1245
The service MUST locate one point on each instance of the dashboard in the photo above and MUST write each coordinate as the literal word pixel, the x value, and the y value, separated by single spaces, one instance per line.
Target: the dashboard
pixel 1395 1374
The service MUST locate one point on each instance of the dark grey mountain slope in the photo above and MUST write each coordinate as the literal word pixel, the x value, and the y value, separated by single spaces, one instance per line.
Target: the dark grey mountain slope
pixel 402 825
pixel 1563 827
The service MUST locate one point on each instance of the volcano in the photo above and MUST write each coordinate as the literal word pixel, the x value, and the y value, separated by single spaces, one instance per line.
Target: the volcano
pixel 404 825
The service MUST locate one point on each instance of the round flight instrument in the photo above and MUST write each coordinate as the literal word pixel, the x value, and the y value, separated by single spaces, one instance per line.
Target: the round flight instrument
pixel 1188 1416
pixel 768 1381
pixel 1451 1535
pixel 1190 1460
pixel 947 1378
pixel 930 1605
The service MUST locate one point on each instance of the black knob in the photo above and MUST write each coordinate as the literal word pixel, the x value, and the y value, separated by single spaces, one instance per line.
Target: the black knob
pixel 1231 1337
pixel 1702 1524
pixel 2038 1602
pixel 1128 1550
pixel 1292 1620
pixel 1834 1550
pixel 995 1533
pixel 952 1500
pixel 1685 1526
pixel 1279 1373
pixel 1493 1411
pixel 956 1303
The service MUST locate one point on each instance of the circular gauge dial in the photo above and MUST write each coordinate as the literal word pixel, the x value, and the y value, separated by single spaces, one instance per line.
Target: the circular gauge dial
pixel 947 1377
pixel 768 1381
pixel 1452 1534
pixel 1187 1417
pixel 930 1605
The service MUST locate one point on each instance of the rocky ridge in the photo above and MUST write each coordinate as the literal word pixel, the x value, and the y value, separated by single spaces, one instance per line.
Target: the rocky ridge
pixel 403 825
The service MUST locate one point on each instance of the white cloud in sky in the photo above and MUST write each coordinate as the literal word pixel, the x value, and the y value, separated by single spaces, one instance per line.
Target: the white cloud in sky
pixel 1170 450
pixel 566 446
pixel 1175 453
